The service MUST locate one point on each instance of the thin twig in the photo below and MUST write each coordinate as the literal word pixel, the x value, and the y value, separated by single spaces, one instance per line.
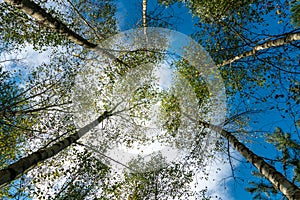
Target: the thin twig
pixel 230 161
pixel 102 154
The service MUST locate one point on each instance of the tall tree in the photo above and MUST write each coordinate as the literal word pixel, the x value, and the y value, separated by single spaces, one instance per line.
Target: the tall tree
pixel 230 36
pixel 284 39
pixel 287 160
pixel 289 189
pixel 21 166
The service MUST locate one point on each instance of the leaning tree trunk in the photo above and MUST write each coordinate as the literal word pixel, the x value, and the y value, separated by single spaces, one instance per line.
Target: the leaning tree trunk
pixel 286 39
pixel 290 190
pixel 23 165
pixel 45 19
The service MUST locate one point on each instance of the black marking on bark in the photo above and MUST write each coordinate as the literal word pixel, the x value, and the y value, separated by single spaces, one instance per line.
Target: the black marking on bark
pixel 12 172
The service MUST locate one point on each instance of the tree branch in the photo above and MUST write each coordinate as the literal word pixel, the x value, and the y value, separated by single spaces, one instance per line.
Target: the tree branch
pixel 286 39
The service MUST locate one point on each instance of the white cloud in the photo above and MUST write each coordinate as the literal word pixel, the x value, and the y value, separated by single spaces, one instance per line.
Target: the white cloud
pixel 27 56
pixel 219 174
pixel 164 75
pixel 22 62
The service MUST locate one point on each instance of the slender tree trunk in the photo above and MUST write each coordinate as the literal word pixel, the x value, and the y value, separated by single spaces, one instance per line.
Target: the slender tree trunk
pixel 23 165
pixel 290 190
pixel 288 38
pixel 144 14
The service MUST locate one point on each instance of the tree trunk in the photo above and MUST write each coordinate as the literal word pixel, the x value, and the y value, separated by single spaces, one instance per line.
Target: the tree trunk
pixel 44 18
pixel 288 38
pixel 290 190
pixel 41 16
pixel 23 165
pixel 144 15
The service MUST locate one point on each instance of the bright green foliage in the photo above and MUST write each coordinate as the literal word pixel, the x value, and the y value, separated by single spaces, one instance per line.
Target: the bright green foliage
pixel 295 9
pixel 195 80
pixel 225 29
pixel 29 111
pixel 87 181
pixel 210 11
pixel 137 59
pixel 12 126
pixel 290 148
pixel 170 113
pixel 11 97
pixel 154 179
pixel 295 92
pixel 100 15
pixel 18 28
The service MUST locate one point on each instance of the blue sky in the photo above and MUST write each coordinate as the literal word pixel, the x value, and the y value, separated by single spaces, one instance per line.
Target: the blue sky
pixel 129 15
pixel 266 120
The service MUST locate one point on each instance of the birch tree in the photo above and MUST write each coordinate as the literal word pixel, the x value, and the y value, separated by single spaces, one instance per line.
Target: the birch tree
pixel 289 189
pixel 231 43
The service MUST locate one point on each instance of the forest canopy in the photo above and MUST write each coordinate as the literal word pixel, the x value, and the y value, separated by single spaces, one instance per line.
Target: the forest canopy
pixel 166 99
